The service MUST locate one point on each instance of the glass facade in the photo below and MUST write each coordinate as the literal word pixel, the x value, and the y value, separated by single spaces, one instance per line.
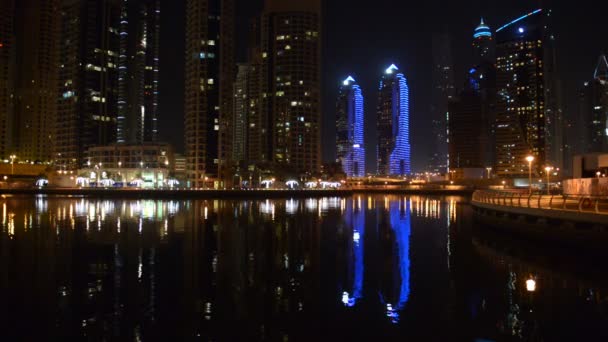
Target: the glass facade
pixel 349 129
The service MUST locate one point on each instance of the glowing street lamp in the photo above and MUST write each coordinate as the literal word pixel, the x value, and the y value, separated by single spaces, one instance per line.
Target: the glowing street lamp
pixel 548 170
pixel 530 159
pixel 13 157
pixel 598 174
pixel 530 285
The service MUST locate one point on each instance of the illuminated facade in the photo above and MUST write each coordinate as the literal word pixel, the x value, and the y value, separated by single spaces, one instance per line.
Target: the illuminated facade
pixel 88 80
pixel 7 33
pixel 393 125
pixel 592 122
pixel 349 129
pixel 209 90
pixel 528 115
pixel 138 64
pixel 291 84
pixel 240 114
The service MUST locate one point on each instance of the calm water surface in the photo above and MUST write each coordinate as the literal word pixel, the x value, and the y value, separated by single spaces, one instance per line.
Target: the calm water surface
pixel 360 268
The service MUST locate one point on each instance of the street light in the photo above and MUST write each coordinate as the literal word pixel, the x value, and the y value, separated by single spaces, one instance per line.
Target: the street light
pixel 13 157
pixel 548 170
pixel 598 174
pixel 489 169
pixel 530 159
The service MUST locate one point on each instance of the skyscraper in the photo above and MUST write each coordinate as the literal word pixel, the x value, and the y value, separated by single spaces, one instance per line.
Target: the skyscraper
pixel 349 129
pixel 483 44
pixel 37 27
pixel 7 48
pixel 291 84
pixel 443 91
pixel 208 89
pixel 88 79
pixel 240 120
pixel 466 145
pixel 592 123
pixel 138 64
pixel 393 124
pixel 528 117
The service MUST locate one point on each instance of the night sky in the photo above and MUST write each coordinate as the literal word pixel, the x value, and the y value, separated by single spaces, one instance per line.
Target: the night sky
pixel 363 40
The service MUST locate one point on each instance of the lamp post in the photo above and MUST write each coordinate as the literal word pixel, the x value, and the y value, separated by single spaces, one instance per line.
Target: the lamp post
pixel 530 159
pixel 489 169
pixel 13 157
pixel 548 170
pixel 598 174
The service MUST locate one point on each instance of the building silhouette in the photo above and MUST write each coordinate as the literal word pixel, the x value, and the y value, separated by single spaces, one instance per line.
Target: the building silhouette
pixel 7 54
pixel 592 121
pixel 443 90
pixel 88 79
pixel 483 44
pixel 393 149
pixel 209 90
pixel 138 67
pixel 350 150
pixel 36 51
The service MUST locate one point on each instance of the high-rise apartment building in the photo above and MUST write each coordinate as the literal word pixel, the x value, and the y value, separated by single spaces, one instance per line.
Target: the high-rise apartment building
pixel 37 28
pixel 466 145
pixel 88 79
pixel 528 117
pixel 209 90
pixel 240 120
pixel 138 67
pixel 442 92
pixel 592 121
pixel 291 84
pixel 393 125
pixel 350 150
pixel 7 49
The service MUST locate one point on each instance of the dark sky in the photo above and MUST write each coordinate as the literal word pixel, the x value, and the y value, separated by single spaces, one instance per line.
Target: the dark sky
pixel 361 38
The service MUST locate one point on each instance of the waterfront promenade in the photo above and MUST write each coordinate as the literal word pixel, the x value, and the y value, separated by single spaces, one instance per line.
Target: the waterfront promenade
pixel 240 193
pixel 555 206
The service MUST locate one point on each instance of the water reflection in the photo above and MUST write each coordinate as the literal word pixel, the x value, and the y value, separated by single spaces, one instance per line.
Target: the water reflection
pixel 296 269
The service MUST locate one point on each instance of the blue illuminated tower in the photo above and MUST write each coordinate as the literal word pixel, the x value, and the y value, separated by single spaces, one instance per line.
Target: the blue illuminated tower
pixel 393 125
pixel 349 129
pixel 483 44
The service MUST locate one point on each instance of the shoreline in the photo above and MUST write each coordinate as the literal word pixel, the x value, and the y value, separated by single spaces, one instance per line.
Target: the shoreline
pixel 232 194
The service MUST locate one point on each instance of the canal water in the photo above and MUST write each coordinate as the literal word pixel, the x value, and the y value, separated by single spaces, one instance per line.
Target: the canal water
pixel 367 268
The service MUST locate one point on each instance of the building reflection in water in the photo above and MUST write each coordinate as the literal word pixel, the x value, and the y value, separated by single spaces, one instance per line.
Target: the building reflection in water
pixel 255 269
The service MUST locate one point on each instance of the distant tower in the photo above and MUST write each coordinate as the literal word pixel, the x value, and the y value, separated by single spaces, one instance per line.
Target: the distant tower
pixel 393 124
pixel 592 121
pixel 349 129
pixel 240 120
pixel 483 44
pixel 442 92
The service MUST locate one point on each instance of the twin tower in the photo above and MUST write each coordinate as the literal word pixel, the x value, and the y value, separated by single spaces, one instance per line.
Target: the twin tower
pixel 393 152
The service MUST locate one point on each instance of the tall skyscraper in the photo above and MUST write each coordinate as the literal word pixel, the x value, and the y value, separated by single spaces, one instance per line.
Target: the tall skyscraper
pixel 240 120
pixel 443 91
pixel 528 117
pixel 88 79
pixel 466 145
pixel 483 44
pixel 37 27
pixel 208 89
pixel 349 129
pixel 7 49
pixel 138 64
pixel 592 123
pixel 393 124
pixel 291 84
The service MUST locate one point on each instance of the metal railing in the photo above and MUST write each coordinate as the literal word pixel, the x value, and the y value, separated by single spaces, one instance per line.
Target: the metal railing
pixel 583 204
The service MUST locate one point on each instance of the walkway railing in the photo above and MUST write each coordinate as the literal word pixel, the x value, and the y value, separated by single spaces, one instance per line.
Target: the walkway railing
pixel 586 204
